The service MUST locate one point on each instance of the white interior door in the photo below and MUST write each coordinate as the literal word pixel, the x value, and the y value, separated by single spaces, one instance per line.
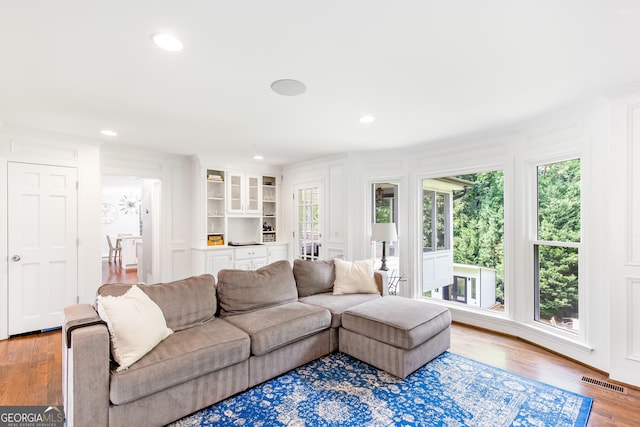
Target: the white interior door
pixel 308 234
pixel 42 245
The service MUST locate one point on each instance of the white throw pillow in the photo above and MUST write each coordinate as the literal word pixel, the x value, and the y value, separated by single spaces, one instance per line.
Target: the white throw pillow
pixel 354 277
pixel 136 325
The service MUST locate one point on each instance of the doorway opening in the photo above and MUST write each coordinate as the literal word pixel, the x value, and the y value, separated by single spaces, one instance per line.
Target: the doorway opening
pixel 130 229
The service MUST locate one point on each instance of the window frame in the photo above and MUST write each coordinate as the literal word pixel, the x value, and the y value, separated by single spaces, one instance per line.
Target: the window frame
pixel 448 226
pixel 532 318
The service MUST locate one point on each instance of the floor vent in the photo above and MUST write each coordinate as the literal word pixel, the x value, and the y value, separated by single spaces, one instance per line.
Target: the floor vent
pixel 605 385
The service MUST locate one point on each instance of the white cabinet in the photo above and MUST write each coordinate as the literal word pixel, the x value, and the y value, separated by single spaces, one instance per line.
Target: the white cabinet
pixel 250 257
pixel 215 209
pixel 235 206
pixel 277 253
pixel 244 194
pixel 269 209
pixel 212 261
pixel 129 250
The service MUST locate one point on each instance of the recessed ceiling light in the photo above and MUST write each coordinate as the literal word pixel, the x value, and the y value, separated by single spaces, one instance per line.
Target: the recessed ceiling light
pixel 288 87
pixel 167 42
pixel 109 132
pixel 366 119
pixel 258 157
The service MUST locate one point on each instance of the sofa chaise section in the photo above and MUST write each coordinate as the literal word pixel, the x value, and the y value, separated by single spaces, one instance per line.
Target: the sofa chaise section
pixel 315 281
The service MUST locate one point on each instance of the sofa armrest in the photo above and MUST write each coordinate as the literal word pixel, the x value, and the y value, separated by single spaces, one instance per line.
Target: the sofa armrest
pixel 79 316
pixel 85 367
pixel 382 280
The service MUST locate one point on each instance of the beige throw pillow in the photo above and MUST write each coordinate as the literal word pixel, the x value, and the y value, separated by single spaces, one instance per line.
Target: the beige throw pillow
pixel 354 277
pixel 136 325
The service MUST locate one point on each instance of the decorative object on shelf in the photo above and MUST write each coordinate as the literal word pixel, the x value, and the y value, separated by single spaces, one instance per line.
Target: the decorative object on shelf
pixel 109 213
pixel 384 232
pixel 130 205
pixel 215 240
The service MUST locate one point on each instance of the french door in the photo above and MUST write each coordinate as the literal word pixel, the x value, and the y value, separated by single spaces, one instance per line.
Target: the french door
pixel 42 245
pixel 308 212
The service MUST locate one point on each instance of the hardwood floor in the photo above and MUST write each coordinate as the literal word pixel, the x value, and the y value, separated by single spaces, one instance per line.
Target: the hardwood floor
pixel 609 407
pixel 31 371
pixel 112 272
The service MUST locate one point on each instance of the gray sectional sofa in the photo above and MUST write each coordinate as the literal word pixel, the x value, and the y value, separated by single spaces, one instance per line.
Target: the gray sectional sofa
pixel 250 327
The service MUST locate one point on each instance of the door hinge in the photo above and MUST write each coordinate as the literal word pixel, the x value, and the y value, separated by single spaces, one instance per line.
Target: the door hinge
pixel 77 185
pixel 78 242
pixel 77 299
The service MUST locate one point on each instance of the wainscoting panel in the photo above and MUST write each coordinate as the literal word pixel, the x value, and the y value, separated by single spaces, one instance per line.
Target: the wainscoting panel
pixel 336 201
pixel 43 149
pixel 180 263
pixel 633 169
pixel 556 136
pixel 180 206
pixel 633 321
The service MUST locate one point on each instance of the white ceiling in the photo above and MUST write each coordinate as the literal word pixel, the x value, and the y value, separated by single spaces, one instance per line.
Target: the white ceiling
pixel 426 69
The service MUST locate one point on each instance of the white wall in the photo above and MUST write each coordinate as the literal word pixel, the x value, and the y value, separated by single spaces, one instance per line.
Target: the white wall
pixel 581 130
pixel 174 230
pixel 31 146
pixel 338 198
pixel 623 231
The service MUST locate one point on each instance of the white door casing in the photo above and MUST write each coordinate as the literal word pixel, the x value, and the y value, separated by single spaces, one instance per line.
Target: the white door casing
pixel 42 245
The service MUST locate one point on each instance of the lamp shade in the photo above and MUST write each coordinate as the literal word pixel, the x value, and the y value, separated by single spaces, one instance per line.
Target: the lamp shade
pixel 384 232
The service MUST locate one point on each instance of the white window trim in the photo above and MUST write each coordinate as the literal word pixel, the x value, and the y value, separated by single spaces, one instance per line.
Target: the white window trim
pixel 507 166
pixel 532 240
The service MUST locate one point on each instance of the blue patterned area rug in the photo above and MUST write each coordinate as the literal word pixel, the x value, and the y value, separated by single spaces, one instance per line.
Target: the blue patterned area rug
pixel 451 390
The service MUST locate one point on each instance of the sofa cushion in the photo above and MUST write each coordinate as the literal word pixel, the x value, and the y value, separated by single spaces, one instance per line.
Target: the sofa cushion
pixel 184 355
pixel 244 291
pixel 354 277
pixel 275 327
pixel 184 303
pixel 398 321
pixel 314 277
pixel 337 304
pixel 136 325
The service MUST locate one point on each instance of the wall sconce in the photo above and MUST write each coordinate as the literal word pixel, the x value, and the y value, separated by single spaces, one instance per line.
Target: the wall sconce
pixel 384 232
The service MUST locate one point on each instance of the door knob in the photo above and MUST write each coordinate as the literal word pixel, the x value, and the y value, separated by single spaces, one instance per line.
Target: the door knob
pixel 15 258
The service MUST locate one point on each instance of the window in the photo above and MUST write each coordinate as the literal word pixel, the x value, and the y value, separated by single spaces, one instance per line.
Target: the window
pixel 385 210
pixel 557 245
pixel 435 211
pixel 463 239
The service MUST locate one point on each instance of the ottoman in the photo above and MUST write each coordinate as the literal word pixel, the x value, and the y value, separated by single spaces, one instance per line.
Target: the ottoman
pixel 395 334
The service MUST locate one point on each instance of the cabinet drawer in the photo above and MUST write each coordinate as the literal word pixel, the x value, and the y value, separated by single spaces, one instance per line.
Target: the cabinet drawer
pixel 251 252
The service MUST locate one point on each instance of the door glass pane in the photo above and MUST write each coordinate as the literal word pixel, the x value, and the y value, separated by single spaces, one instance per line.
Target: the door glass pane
pixel 308 235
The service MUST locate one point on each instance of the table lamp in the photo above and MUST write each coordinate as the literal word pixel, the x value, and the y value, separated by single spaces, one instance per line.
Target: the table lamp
pixel 384 232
